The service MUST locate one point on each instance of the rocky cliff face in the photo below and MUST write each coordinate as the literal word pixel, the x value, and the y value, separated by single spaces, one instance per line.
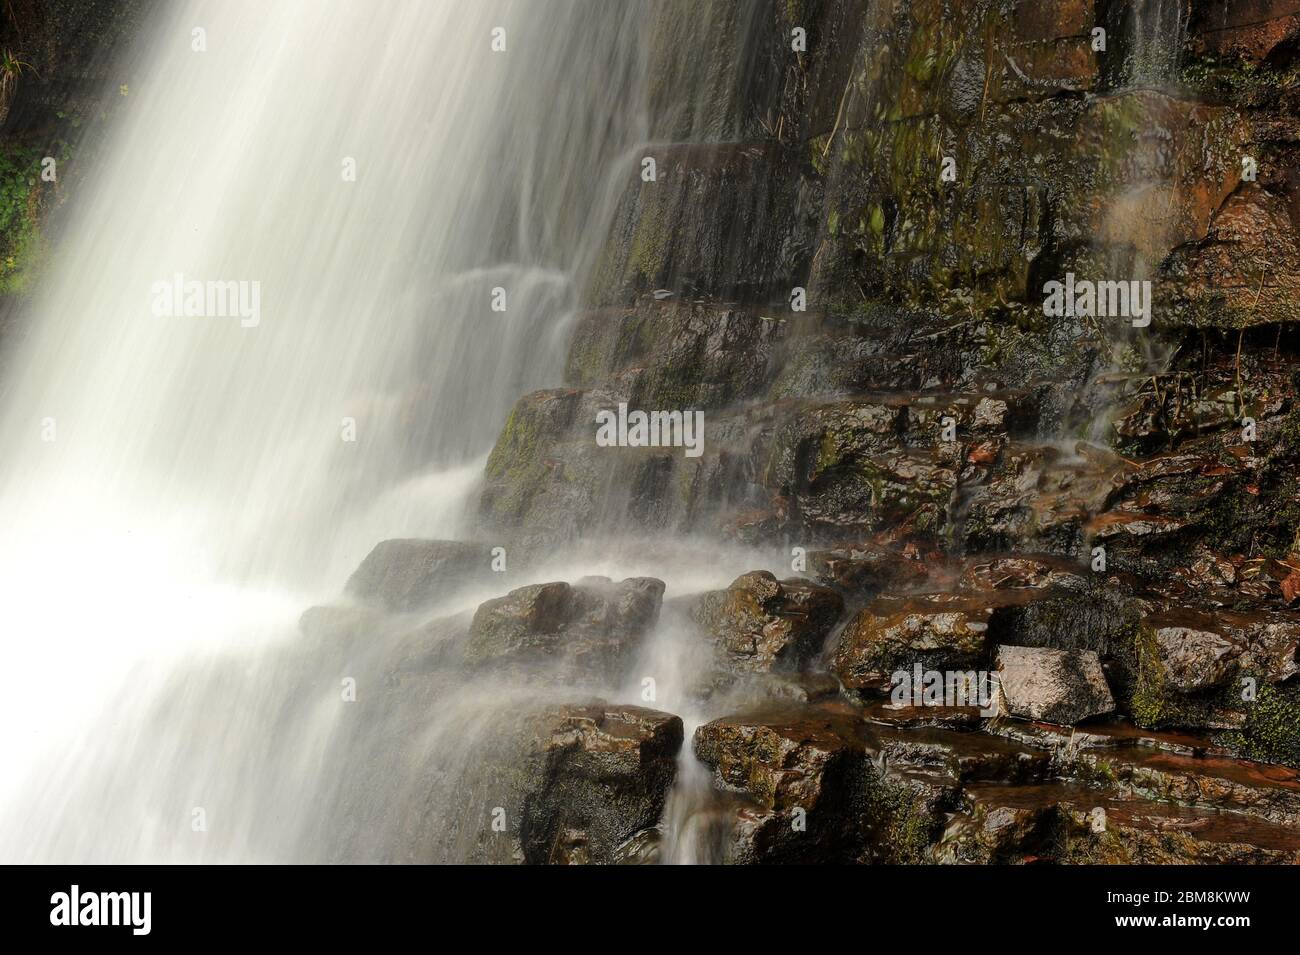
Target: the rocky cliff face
pixel 842 258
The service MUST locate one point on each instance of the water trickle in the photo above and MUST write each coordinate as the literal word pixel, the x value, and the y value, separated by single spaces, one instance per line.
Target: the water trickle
pixel 1157 30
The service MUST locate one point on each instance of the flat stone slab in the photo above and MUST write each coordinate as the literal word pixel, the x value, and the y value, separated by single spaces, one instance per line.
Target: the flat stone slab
pixel 1055 686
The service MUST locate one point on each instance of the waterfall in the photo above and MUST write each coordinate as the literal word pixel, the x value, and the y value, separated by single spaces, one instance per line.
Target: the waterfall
pixel 178 487
pixel 1156 31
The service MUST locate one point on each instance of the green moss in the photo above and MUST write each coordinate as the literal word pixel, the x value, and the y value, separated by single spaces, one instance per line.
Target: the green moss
pixel 22 192
pixel 902 830
pixel 1069 845
pixel 1154 705
pixel 1240 81
pixel 1272 730
pixel 516 463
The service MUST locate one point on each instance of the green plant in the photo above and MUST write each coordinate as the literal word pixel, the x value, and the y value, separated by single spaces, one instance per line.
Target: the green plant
pixel 11 67
pixel 21 243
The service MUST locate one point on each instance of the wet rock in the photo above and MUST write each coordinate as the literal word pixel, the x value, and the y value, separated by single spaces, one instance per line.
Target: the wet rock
pixel 674 355
pixel 821 437
pixel 720 219
pixel 780 758
pixel 400 576
pixel 1271 793
pixel 1037 498
pixel 887 713
pixel 797 687
pixel 1202 650
pixel 841 363
pixel 1097 613
pixel 842 468
pixel 1057 686
pixel 863 569
pixel 1039 573
pixel 938 631
pixel 736 62
pixel 1250 232
pixel 908 491
pixel 960 758
pixel 594 626
pixel 998 824
pixel 520 466
pixel 1221 670
pixel 1068 740
pixel 760 623
pixel 1070 823
pixel 1249 30
pixel 812 792
pixel 1139 832
pixel 601 779
pixel 1000 414
pixel 821 783
pixel 1193 658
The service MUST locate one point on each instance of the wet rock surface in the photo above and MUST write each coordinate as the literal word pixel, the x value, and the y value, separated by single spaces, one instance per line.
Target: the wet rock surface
pixel 399 576
pixel 593 626
pixel 573 783
pixel 760 623
pixel 938 632
pixel 604 778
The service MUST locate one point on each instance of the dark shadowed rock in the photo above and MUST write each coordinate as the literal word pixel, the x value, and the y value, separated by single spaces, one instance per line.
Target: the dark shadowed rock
pixel 400 576
pixel 759 622
pixel 603 776
pixel 1058 686
pixel 596 625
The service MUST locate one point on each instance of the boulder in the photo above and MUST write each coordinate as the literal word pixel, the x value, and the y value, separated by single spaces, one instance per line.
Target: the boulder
pixel 602 778
pixel 1191 668
pixel 595 625
pixel 400 576
pixel 810 792
pixel 1056 686
pixel 1199 650
pixel 937 631
pixel 760 623
pixel 863 568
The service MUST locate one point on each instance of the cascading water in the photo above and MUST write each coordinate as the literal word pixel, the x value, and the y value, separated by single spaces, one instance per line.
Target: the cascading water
pixel 179 487
pixel 1155 30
